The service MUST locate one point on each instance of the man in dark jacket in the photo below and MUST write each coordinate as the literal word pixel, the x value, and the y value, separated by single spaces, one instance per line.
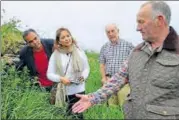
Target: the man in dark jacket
pixel 35 55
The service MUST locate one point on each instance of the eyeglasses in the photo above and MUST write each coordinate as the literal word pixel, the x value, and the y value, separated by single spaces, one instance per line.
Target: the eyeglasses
pixel 31 41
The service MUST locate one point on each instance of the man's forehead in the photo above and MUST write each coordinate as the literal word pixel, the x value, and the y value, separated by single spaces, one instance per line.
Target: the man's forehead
pixel 144 11
pixel 111 27
pixel 31 35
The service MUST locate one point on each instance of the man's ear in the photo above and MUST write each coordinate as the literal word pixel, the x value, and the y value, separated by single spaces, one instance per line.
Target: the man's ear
pixel 160 20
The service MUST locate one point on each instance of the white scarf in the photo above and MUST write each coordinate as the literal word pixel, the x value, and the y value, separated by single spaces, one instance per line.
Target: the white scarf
pixel 76 60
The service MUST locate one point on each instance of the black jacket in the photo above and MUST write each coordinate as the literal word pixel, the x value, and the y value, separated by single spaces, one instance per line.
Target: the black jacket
pixel 26 56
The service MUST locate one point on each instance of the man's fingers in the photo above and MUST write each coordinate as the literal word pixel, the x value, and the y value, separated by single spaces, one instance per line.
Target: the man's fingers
pixel 76 107
pixel 78 95
pixel 81 110
pixel 82 104
pixel 77 103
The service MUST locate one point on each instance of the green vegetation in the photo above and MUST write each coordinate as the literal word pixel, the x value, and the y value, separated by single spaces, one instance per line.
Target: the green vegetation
pixel 23 100
pixel 10 36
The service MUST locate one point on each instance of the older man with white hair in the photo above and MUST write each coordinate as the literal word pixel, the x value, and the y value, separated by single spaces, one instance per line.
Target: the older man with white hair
pixel 112 54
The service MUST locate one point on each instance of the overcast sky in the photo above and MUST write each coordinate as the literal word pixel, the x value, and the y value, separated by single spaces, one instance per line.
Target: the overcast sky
pixel 85 19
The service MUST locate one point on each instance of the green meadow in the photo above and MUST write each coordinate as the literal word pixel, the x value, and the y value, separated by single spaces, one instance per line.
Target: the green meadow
pixel 20 100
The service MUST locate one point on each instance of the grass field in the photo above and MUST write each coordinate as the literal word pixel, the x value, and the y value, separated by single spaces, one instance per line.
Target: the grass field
pixel 20 101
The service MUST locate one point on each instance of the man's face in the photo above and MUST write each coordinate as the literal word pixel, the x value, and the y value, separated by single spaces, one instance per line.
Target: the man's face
pixel 112 33
pixel 146 24
pixel 33 40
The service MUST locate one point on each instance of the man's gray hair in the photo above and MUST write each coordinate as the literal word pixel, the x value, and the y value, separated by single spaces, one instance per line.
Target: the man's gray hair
pixel 160 7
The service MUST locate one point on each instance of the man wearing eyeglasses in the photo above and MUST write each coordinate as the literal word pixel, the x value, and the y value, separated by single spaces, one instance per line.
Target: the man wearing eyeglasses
pixel 35 55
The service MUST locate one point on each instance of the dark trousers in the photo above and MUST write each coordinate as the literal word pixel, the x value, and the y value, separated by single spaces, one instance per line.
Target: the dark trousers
pixel 48 88
pixel 71 100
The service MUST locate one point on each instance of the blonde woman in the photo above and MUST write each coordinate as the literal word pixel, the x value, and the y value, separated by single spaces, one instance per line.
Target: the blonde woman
pixel 69 65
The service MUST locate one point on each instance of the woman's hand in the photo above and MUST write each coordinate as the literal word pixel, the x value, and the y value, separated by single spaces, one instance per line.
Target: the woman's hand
pixel 65 80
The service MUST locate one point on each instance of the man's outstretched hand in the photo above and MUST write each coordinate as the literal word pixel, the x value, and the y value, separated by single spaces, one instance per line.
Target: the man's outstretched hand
pixel 83 104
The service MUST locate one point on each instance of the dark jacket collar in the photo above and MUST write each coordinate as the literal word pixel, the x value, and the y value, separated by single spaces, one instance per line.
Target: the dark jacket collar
pixel 171 42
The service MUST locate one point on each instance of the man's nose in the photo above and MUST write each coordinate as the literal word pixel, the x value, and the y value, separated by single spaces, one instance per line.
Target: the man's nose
pixel 138 28
pixel 35 41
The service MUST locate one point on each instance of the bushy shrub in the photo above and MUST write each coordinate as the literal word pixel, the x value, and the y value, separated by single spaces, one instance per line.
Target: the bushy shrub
pixel 11 36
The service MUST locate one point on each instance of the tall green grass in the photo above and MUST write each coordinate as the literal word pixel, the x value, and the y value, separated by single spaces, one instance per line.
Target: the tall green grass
pixel 93 83
pixel 20 100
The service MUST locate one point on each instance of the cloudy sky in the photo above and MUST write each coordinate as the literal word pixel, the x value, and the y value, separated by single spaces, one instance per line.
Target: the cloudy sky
pixel 85 19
